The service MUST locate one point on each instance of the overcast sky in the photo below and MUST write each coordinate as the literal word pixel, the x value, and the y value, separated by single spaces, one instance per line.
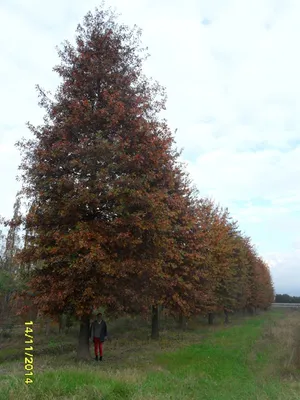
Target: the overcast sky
pixel 231 70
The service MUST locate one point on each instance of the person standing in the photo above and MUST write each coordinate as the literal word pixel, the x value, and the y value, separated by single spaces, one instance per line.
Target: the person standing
pixel 98 332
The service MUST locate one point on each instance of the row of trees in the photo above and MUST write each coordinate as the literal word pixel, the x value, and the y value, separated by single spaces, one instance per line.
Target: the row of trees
pixel 113 219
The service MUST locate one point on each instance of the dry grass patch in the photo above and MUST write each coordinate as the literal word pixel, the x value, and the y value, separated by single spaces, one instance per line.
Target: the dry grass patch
pixel 281 339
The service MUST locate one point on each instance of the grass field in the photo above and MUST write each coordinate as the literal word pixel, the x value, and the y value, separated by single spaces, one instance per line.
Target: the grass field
pixel 252 358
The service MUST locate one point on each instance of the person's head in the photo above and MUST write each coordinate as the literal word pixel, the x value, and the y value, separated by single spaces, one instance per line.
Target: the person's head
pixel 99 316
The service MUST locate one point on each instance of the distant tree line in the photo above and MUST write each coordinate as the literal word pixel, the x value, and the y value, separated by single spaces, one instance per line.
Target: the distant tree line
pixel 113 219
pixel 285 298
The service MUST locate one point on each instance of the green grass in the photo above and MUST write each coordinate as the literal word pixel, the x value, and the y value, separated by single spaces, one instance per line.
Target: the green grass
pixel 243 361
pixel 216 369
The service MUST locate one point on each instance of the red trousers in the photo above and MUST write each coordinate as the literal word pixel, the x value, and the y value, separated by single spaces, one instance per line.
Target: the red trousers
pixel 98 345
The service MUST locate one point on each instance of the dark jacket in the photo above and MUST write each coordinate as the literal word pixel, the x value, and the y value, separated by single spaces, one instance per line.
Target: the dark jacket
pixel 98 330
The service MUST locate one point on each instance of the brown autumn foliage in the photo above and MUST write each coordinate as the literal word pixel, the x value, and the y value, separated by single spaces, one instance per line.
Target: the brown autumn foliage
pixel 238 278
pixel 107 192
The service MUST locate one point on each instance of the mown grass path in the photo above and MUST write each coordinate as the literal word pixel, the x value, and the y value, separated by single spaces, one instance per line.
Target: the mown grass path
pixel 245 361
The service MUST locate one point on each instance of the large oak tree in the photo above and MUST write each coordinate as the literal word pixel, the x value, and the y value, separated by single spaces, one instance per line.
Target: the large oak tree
pixel 103 179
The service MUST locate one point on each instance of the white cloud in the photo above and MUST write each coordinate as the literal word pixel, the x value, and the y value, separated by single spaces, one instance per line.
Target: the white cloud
pixel 284 268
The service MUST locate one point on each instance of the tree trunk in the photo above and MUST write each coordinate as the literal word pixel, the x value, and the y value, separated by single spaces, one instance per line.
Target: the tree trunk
pixel 211 318
pixel 47 326
pixel 182 322
pixel 226 317
pixel 41 324
pixel 62 323
pixel 250 310
pixel 155 323
pixel 83 349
